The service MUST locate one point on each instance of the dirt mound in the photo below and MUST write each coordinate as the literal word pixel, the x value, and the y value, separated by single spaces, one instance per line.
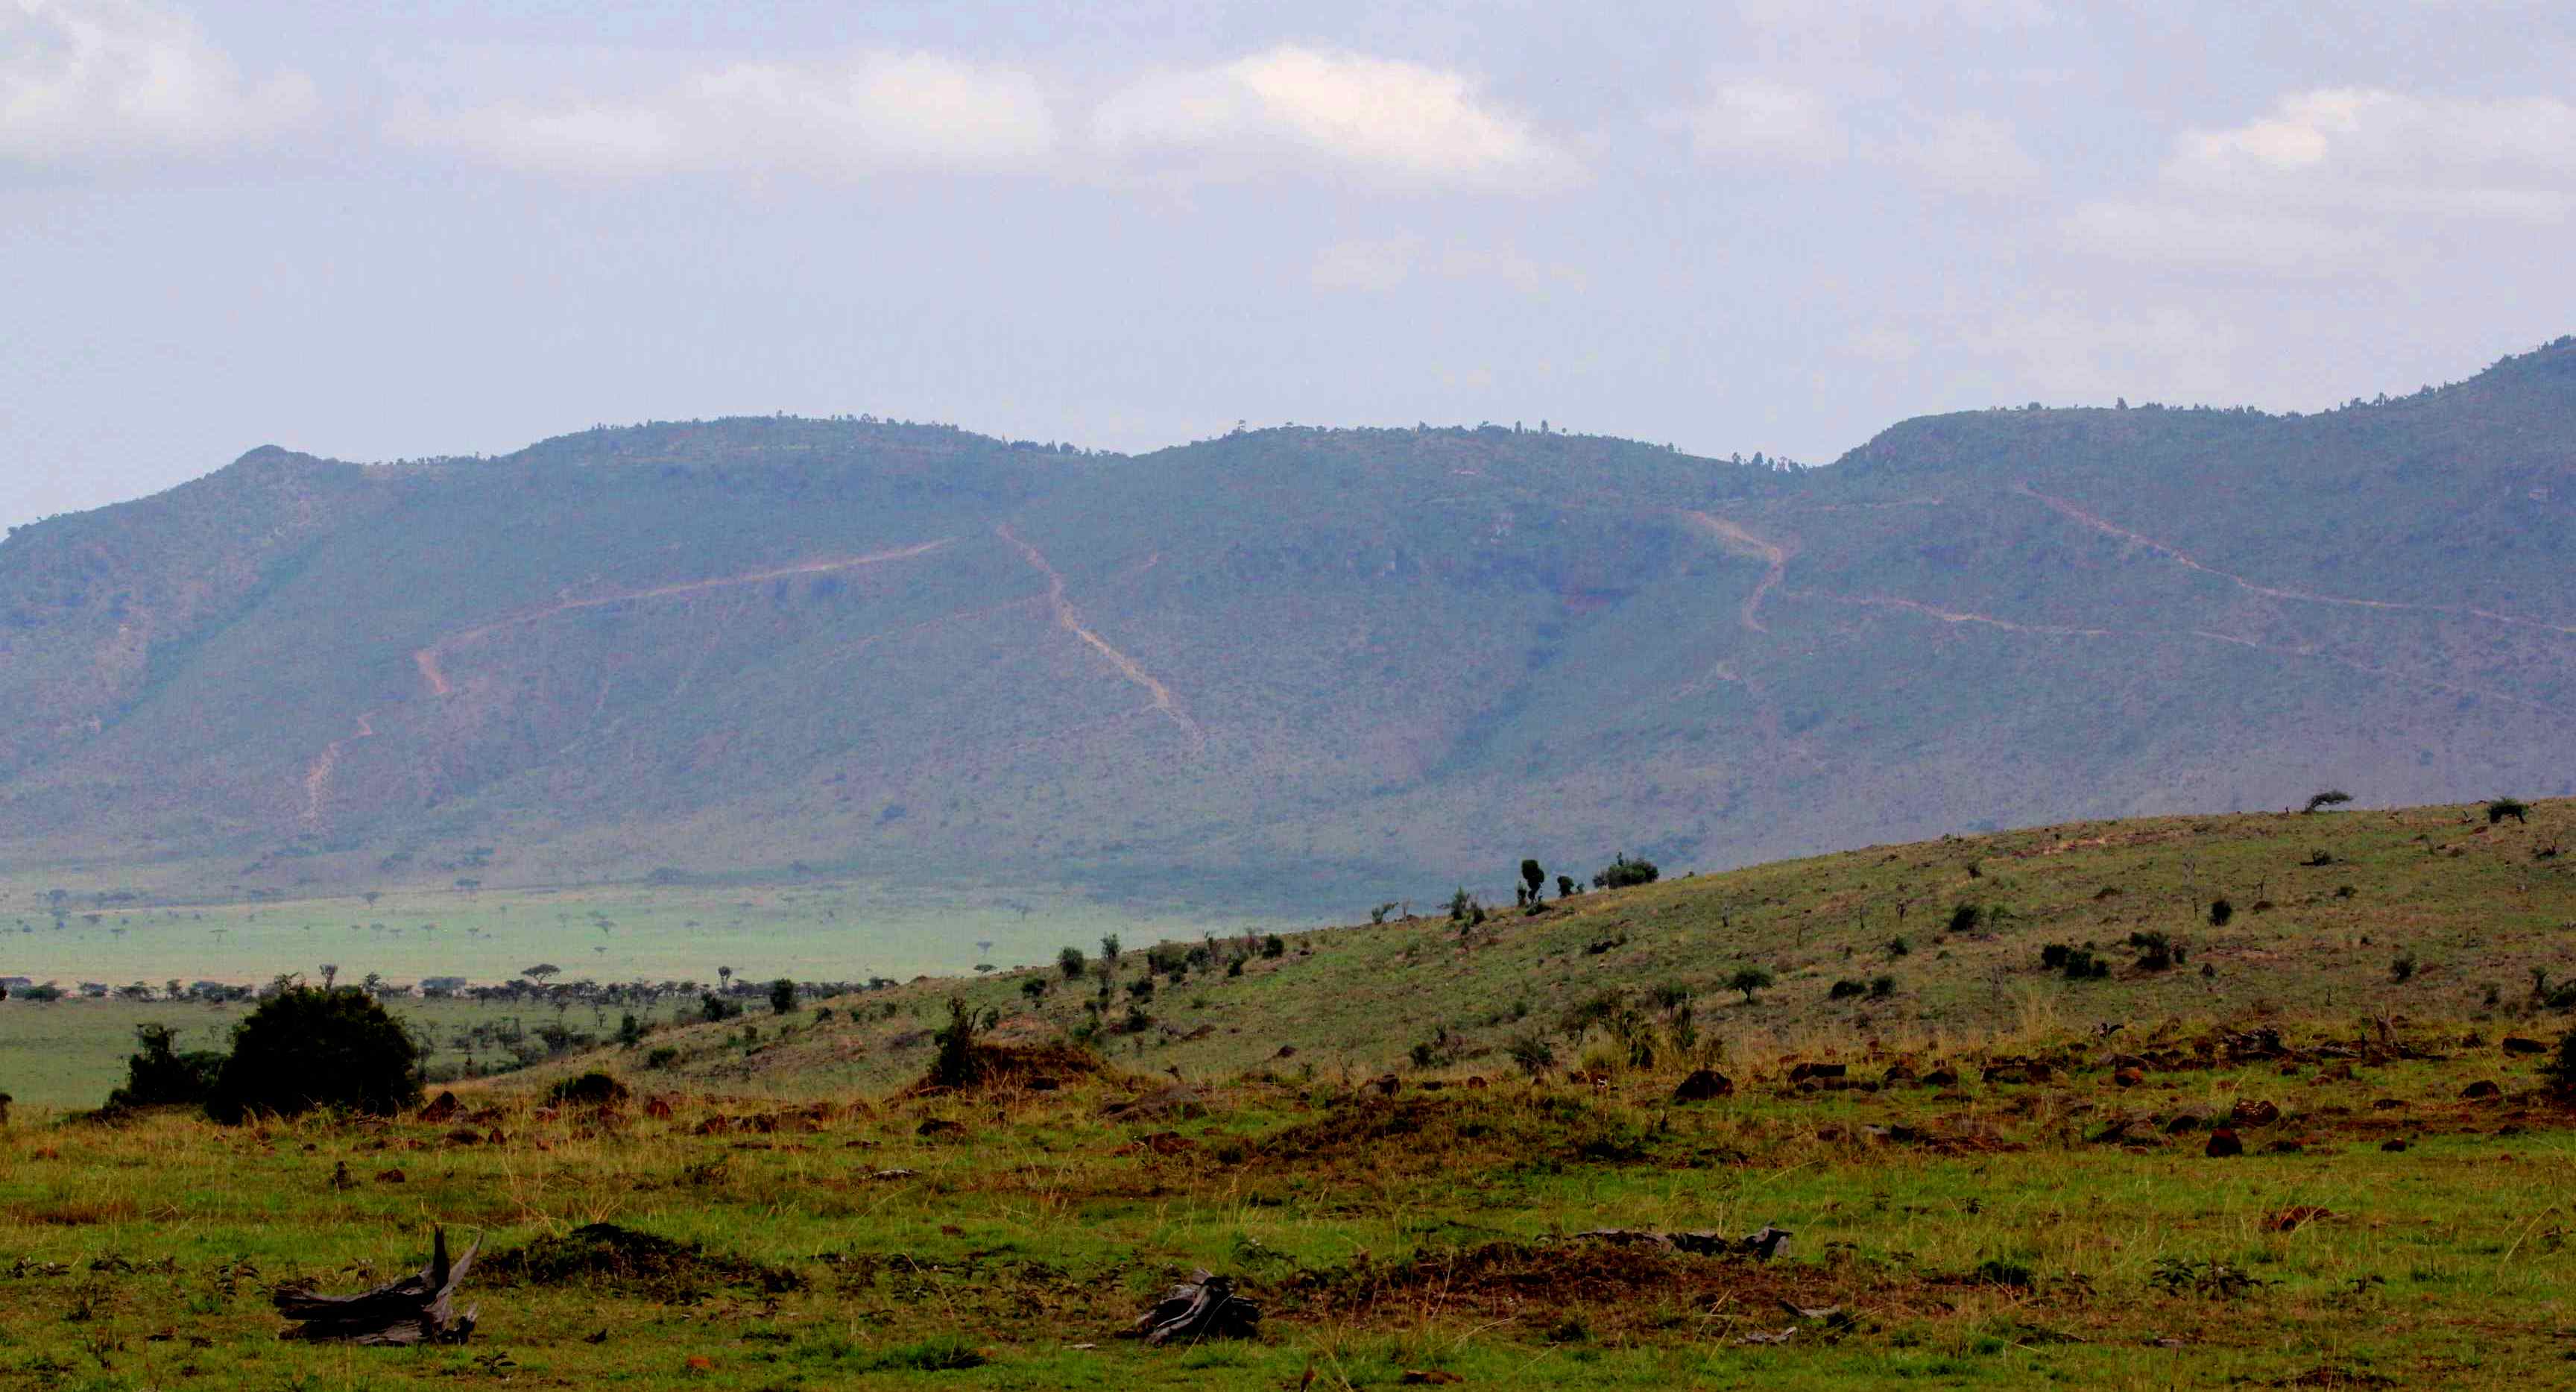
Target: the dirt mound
pixel 1543 1282
pixel 1452 1131
pixel 1041 1067
pixel 618 1258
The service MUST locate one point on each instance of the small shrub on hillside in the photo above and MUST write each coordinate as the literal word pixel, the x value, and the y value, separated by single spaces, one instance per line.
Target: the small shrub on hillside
pixel 1274 946
pixel 2402 969
pixel 2504 807
pixel 782 996
pixel 1898 946
pixel 2220 913
pixel 1035 988
pixel 1964 918
pixel 2156 952
pixel 1142 989
pixel 1566 888
pixel 1136 1022
pixel 2319 857
pixel 953 1064
pixel 1748 980
pixel 2560 1069
pixel 630 1031
pixel 1622 872
pixel 1459 903
pixel 715 1009
pixel 1881 987
pixel 662 1057
pixel 1534 1055
pixel 592 1089
pixel 1670 994
pixel 1845 990
pixel 2075 963
pixel 1071 962
pixel 2331 797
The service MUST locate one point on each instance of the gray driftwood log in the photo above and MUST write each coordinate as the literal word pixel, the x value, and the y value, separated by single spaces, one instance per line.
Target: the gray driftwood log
pixel 418 1309
pixel 1203 1307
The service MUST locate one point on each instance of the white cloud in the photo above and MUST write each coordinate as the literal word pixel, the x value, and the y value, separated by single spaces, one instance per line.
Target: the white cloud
pixel 1766 121
pixel 1763 121
pixel 843 117
pixel 86 80
pixel 2344 179
pixel 2375 149
pixel 1383 117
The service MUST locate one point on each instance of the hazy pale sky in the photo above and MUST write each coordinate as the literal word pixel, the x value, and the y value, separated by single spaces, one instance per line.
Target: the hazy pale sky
pixel 376 230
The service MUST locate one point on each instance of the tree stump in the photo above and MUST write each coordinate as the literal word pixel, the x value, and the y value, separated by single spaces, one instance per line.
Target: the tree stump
pixel 418 1309
pixel 1203 1307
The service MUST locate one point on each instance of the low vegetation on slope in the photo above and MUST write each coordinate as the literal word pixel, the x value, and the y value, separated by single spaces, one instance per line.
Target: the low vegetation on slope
pixel 2433 912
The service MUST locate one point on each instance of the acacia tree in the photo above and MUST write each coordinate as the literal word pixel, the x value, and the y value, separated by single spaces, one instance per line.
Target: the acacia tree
pixel 1535 877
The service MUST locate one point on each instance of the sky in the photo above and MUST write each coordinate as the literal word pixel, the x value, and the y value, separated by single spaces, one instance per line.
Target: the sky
pixel 372 230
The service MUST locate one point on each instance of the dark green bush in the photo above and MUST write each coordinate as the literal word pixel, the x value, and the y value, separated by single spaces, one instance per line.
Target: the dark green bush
pixel 592 1089
pixel 304 1049
pixel 1622 872
pixel 160 1076
pixel 1845 990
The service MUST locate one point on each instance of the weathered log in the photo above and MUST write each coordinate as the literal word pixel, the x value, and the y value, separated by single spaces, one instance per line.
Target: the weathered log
pixel 1203 1307
pixel 418 1309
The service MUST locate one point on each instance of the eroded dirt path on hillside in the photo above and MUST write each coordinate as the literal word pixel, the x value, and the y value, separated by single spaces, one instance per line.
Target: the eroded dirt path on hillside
pixel 1955 616
pixel 1070 620
pixel 317 777
pixel 434 675
pixel 1736 540
pixel 2188 561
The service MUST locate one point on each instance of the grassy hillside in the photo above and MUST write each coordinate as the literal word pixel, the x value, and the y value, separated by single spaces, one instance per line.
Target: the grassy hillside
pixel 2345 917
pixel 1290 669
pixel 2293 1171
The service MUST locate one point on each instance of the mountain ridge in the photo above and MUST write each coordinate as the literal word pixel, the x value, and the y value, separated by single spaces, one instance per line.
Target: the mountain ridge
pixel 1287 665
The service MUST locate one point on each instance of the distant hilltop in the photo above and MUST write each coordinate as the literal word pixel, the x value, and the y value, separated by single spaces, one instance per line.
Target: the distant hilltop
pixel 1288 666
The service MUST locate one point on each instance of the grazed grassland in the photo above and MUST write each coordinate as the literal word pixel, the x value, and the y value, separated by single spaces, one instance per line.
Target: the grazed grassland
pixel 1984 1232
pixel 2061 1223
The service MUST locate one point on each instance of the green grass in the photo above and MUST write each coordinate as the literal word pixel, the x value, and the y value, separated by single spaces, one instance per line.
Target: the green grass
pixel 2474 905
pixel 826 930
pixel 1993 1232
pixel 1433 1231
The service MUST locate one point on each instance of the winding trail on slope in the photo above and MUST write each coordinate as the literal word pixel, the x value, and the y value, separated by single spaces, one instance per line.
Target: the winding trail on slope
pixel 1954 616
pixel 2308 651
pixel 317 779
pixel 1070 620
pixel 1736 540
pixel 435 676
pixel 2190 562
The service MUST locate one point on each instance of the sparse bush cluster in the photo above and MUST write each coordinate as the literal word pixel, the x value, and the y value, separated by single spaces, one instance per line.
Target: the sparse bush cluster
pixel 2074 963
pixel 1622 872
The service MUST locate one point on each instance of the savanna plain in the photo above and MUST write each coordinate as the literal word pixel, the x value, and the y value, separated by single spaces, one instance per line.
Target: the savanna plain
pixel 2268 1100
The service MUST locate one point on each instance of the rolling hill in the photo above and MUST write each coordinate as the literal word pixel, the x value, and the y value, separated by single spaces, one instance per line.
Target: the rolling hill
pixel 1297 667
